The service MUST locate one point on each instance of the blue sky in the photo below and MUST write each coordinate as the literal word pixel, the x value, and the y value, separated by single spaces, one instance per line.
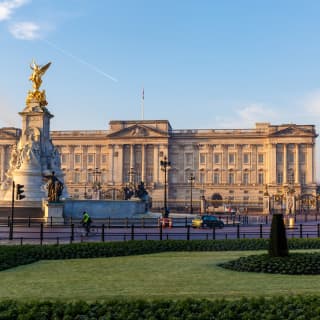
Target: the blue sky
pixel 203 64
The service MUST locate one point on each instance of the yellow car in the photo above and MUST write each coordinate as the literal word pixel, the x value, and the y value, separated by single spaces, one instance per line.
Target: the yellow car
pixel 207 221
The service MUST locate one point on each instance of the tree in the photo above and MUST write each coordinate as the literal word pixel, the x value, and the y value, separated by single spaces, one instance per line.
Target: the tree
pixel 278 245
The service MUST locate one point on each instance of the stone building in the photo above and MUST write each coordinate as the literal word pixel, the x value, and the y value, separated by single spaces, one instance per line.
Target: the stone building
pixel 237 166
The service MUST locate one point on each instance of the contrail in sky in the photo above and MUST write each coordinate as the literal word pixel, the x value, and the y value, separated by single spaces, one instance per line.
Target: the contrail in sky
pixel 91 66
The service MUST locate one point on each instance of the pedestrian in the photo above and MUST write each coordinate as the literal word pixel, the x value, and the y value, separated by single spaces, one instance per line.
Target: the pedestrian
pixel 86 222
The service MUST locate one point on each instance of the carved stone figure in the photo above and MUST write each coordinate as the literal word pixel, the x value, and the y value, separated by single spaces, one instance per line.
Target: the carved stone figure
pixel 54 187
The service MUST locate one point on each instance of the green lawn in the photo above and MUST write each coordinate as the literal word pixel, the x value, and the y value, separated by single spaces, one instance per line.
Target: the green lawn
pixel 164 275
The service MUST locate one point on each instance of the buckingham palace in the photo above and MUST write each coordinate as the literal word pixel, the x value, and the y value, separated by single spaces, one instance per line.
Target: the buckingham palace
pixel 232 165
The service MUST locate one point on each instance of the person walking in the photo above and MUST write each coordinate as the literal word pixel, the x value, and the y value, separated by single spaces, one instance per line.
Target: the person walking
pixel 86 222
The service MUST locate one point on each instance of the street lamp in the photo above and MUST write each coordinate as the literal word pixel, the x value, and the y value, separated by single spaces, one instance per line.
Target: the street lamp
pixel 85 191
pixel 191 179
pixel 165 164
pixel 96 184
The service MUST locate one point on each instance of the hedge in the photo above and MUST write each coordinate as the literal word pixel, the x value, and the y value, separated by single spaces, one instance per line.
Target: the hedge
pixel 12 256
pixel 276 308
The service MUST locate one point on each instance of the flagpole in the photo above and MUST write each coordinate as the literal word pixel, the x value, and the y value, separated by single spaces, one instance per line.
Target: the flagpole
pixel 142 104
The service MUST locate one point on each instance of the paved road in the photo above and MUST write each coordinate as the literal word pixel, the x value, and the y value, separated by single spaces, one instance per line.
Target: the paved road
pixel 65 234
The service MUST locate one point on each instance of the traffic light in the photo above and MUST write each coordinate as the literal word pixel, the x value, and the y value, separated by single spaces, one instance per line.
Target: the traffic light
pixel 20 192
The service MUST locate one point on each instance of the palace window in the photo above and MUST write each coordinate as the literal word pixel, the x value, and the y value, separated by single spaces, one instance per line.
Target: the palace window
pixel 290 154
pixel 260 158
pixel 76 177
pixel 104 158
pixel 64 158
pixel 246 177
pixel 231 178
pixel 202 158
pixel 77 158
pixel 104 176
pixel 90 158
pixel 279 178
pixel 217 158
pixel 216 178
pixel 302 157
pixel 90 177
pixel 202 177
pixel 260 178
pixel 231 158
pixel 246 158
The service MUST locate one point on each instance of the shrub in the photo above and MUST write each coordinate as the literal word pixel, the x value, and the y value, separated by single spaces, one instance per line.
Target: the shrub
pixel 294 263
pixel 280 308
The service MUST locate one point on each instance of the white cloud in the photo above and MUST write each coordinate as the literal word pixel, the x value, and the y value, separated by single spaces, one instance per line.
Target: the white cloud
pixel 247 116
pixel 25 30
pixel 7 8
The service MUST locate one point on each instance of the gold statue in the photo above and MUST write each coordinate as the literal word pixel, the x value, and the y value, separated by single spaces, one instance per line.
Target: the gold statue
pixel 37 72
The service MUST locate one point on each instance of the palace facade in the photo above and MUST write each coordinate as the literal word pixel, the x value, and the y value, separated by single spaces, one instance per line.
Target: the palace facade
pixel 235 165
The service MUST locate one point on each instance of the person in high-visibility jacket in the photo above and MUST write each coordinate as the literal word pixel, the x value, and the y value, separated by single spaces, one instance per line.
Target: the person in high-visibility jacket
pixel 86 221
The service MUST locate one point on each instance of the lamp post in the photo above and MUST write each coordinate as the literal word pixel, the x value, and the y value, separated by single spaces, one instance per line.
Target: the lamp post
pixel 85 191
pixel 165 164
pixel 96 184
pixel 191 179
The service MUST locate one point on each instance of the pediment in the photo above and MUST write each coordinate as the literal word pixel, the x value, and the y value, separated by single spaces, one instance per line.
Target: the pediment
pixel 292 131
pixel 138 131
pixel 8 132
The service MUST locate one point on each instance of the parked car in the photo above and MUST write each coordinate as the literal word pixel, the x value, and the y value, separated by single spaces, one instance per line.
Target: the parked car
pixel 207 221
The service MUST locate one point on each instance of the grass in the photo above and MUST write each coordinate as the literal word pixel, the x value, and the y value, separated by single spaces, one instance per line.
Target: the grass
pixel 164 275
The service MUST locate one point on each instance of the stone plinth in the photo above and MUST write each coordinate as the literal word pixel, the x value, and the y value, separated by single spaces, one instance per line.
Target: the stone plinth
pixel 54 211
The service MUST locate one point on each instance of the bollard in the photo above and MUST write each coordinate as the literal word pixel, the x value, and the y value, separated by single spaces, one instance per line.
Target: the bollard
pixel 29 222
pixel 167 236
pixel 260 231
pixel 300 230
pixel 266 219
pixel 318 230
pixel 21 241
pixel 214 233
pixel 102 233
pixel 238 231
pixel 146 236
pixel 41 233
pixel 132 232
pixel 160 231
pixel 51 221
pixel 227 220
pixel 72 233
pixel 188 232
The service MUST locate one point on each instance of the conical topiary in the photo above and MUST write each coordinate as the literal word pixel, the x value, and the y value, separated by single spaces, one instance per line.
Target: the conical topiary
pixel 278 245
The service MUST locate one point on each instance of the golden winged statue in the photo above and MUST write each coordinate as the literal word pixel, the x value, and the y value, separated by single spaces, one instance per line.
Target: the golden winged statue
pixel 38 72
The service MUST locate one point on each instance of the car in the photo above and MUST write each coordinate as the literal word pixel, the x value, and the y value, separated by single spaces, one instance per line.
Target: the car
pixel 207 221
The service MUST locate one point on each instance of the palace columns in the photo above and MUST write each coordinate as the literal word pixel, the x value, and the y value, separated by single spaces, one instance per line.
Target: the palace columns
pixel 285 169
pixel 296 174
pixel 143 163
